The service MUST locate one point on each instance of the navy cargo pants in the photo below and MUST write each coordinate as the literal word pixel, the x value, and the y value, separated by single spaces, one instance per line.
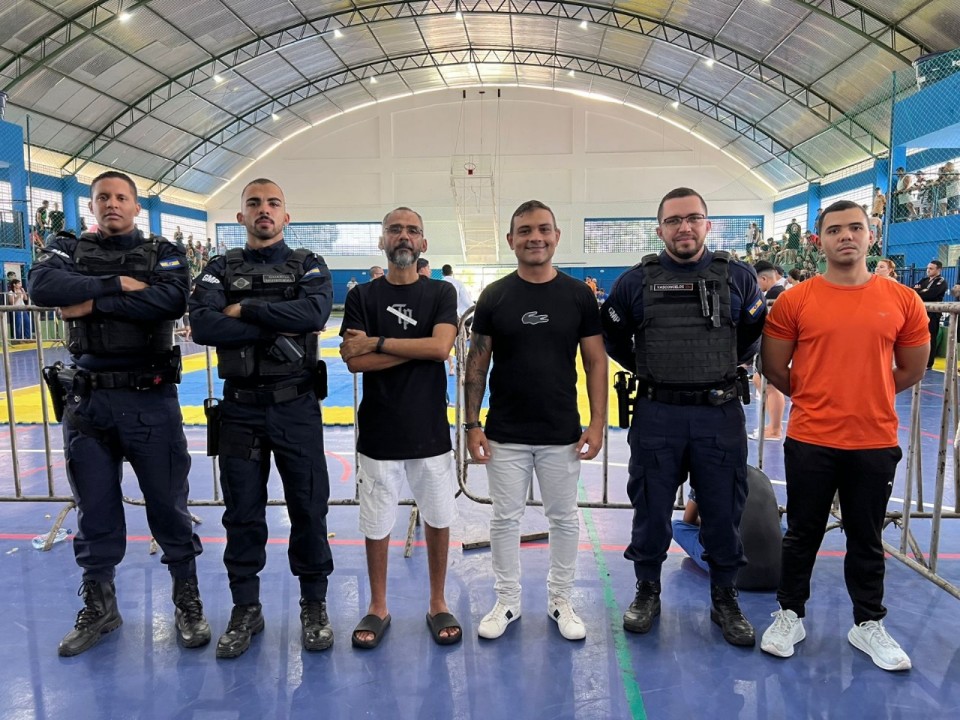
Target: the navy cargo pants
pixel 668 442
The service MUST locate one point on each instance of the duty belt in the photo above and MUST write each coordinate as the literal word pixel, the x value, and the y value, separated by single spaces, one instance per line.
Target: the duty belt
pixel 268 397
pixel 138 380
pixel 674 396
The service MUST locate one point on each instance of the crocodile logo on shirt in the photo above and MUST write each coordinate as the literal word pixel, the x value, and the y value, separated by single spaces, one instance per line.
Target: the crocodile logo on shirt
pixel 532 318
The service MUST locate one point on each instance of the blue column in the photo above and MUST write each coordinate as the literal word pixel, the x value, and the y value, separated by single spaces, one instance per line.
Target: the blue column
pixel 151 203
pixel 73 190
pixel 813 205
pixel 13 171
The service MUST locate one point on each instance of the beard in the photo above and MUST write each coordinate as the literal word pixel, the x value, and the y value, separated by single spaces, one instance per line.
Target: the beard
pixel 403 256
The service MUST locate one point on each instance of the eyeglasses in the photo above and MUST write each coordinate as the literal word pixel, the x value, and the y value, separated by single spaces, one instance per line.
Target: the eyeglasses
pixel 412 230
pixel 674 221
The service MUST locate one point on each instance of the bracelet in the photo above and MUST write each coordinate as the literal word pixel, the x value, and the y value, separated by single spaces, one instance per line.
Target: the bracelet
pixel 380 344
pixel 472 425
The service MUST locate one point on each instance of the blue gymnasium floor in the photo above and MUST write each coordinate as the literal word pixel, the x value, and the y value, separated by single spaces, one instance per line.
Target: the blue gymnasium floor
pixel 682 668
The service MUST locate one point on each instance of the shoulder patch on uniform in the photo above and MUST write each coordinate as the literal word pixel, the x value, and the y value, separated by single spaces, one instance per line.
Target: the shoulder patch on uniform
pixel 170 263
pixel 311 272
pixel 212 279
pixel 54 250
pixel 755 308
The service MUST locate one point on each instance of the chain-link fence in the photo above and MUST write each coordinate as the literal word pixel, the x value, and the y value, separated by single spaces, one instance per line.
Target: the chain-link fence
pixel 923 211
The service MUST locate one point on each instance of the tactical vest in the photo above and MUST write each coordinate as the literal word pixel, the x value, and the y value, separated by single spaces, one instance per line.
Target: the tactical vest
pixel 115 336
pixel 687 338
pixel 265 282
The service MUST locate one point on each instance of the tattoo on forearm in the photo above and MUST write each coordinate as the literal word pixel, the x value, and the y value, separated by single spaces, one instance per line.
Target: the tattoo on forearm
pixel 475 382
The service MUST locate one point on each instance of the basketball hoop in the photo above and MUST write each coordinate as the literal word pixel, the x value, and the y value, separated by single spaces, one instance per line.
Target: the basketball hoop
pixel 469 167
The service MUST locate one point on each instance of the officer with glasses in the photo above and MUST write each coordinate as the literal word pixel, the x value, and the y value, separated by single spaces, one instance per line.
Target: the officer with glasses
pixel 686 321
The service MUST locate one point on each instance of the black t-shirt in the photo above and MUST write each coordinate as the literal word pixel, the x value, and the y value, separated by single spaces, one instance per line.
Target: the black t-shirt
pixel 535 330
pixel 403 413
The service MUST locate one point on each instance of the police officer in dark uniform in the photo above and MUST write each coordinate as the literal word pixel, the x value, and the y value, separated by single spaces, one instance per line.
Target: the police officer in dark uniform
pixel 684 321
pixel 932 289
pixel 119 294
pixel 263 306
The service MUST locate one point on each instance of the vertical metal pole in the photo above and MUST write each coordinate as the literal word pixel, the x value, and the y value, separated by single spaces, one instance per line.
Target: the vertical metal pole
pixel 884 245
pixel 11 417
pixel 912 454
pixel 213 460
pixel 45 413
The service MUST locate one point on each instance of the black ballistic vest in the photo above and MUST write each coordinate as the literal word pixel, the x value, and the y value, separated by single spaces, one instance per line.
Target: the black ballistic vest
pixel 687 338
pixel 114 336
pixel 264 282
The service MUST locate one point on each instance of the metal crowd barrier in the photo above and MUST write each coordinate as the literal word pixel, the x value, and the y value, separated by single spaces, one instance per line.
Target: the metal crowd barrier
pixel 47 332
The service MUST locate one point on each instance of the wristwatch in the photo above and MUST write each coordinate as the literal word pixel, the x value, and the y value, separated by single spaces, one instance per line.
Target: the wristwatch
pixel 380 344
pixel 471 425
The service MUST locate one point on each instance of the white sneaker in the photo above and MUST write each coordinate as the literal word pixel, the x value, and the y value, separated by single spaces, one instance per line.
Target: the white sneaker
pixel 495 622
pixel 571 626
pixel 872 638
pixel 786 631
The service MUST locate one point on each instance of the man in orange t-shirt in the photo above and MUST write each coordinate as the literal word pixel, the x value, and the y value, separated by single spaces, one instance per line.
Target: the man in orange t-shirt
pixel 842 432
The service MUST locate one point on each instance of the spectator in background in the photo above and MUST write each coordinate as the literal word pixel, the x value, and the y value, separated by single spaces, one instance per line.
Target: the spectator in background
pixel 178 235
pixel 768 279
pixel 794 278
pixel 40 219
pixel 351 284
pixel 877 211
pixel 376 272
pixel 886 269
pixel 792 246
pixel 57 219
pixel 931 290
pixel 423 267
pixel 903 201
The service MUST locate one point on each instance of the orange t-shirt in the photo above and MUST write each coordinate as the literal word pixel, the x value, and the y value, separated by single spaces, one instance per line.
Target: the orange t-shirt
pixel 841 376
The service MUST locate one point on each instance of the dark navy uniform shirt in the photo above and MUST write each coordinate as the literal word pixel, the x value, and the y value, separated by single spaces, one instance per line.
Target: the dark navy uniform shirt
pixel 258 320
pixel 56 282
pixel 622 313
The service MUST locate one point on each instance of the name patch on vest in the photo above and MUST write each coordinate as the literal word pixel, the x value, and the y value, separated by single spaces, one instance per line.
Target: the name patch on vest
pixel 278 278
pixel 673 287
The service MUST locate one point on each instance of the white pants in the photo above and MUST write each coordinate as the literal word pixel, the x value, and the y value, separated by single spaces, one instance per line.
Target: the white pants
pixel 510 473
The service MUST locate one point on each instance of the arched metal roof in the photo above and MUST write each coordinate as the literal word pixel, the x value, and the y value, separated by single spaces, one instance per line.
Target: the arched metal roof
pixel 187 92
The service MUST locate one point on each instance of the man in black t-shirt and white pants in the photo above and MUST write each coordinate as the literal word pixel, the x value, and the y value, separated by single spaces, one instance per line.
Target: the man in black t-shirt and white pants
pixel 398 330
pixel 531 323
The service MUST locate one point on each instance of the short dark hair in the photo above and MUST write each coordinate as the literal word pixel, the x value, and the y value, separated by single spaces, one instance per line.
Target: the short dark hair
pixel 795 274
pixel 259 181
pixel 839 206
pixel 763 266
pixel 402 208
pixel 527 207
pixel 680 192
pixel 116 175
pixel 937 263
pixel 446 270
pixel 422 263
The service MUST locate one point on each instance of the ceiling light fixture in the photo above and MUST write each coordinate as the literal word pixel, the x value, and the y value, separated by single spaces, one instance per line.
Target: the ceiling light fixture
pixel 123 16
pixel 710 62
pixel 675 104
pixel 373 79
pixel 337 33
pixel 218 79
pixel 274 116
pixel 571 74
pixel 584 25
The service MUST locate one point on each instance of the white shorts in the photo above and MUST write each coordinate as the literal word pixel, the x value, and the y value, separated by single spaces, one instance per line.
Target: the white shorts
pixel 432 481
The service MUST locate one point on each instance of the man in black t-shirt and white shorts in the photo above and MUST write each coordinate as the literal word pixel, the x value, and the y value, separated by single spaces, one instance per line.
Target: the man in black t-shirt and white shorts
pixel 398 330
pixel 531 323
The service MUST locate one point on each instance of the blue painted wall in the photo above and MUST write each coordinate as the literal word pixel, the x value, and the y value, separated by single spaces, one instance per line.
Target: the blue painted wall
pixel 12 170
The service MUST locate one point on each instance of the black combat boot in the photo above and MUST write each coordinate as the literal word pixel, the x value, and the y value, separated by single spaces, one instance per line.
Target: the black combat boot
pixel 725 612
pixel 317 633
pixel 645 607
pixel 245 622
pixel 98 617
pixel 193 631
